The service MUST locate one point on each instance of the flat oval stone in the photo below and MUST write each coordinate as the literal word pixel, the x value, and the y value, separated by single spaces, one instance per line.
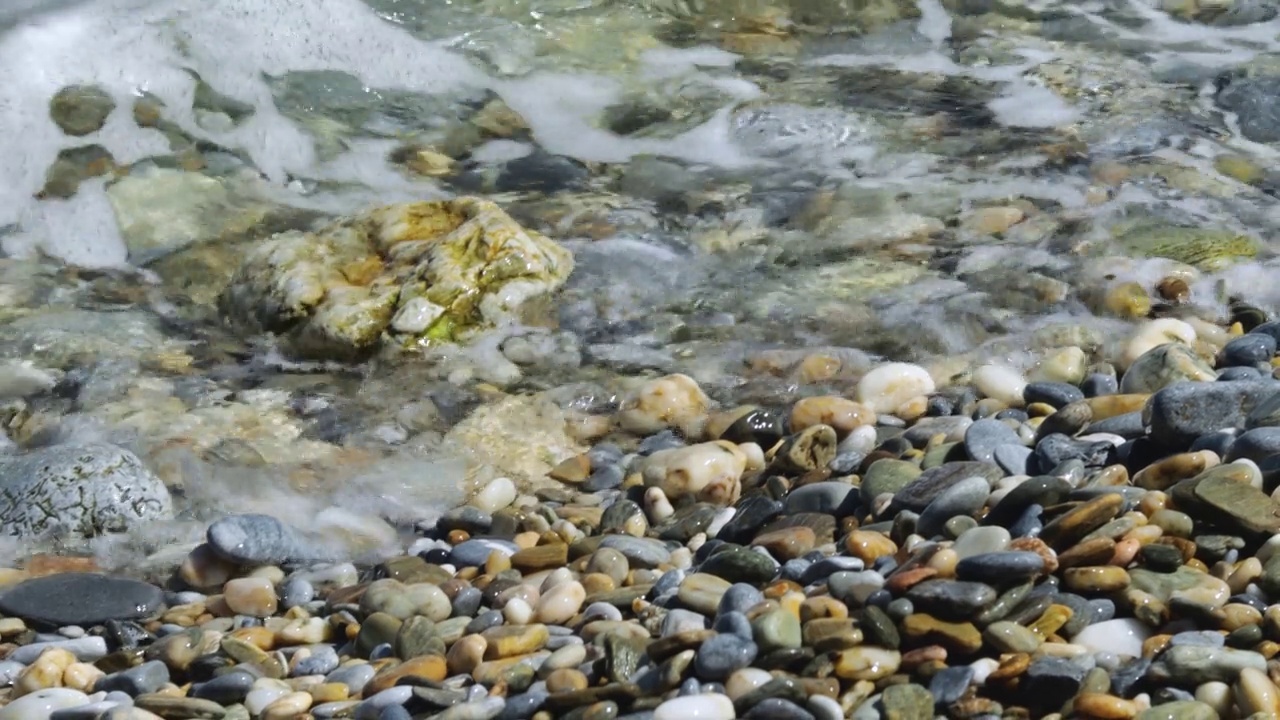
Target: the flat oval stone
pixel 963 498
pixel 1056 394
pixel 254 539
pixel 81 599
pixel 640 552
pixel 917 494
pixel 1000 568
pixel 951 599
pixel 828 497
pixel 985 435
pixel 741 565
pixel 719 656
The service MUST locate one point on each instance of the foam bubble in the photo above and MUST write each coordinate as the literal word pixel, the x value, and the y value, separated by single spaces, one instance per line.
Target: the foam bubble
pixel 132 46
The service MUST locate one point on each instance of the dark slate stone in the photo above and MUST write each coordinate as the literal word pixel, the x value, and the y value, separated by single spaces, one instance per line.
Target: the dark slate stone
pixel 1000 568
pixel 1184 411
pixel 822 569
pixel 1256 445
pixel 954 600
pixel 1029 523
pixel 1099 384
pixel 777 709
pixel 1043 490
pixel 1049 682
pixel 1126 425
pixel 84 599
pixel 541 172
pixel 752 514
pixel 1239 373
pixel 918 493
pixel 831 497
pixel 1055 449
pixel 1248 350
pixel 1056 394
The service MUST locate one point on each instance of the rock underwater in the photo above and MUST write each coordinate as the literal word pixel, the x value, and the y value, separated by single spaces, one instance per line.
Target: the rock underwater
pixel 406 274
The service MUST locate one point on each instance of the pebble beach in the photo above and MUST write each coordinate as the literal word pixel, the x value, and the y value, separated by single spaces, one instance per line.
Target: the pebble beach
pixel 652 360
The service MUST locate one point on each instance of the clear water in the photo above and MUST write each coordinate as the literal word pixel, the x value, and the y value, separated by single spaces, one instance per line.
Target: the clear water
pixel 335 85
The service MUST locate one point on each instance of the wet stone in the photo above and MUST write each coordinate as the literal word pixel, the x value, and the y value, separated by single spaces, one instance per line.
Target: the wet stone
pixel 640 552
pixel 1248 349
pixel 1055 449
pixel 474 552
pixel 917 495
pixel 81 599
pixel 752 514
pixel 777 709
pixel 1183 412
pixel 951 599
pixel 719 656
pixel 907 701
pixel 1014 459
pixel 256 540
pixel 887 476
pixel 1057 394
pixel 964 498
pixel 1239 507
pixel 830 497
pixel 741 565
pixel 1000 568
pixel 984 436
pixel 1049 682
pixel 145 678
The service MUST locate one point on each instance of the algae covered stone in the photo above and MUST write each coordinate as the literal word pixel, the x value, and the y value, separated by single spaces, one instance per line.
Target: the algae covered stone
pixel 1204 248
pixel 408 273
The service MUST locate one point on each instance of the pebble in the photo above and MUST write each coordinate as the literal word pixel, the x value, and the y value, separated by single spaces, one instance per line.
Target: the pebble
pixel 80 599
pixel 710 706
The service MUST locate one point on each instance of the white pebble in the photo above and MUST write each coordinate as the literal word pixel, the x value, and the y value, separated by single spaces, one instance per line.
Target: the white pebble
pixel 41 703
pixel 656 505
pixel 1001 383
pixel 1154 333
pixel 982 669
pixel 559 576
pixel 824 708
pixel 711 706
pixel 517 612
pixel 1216 695
pixel 561 603
pixel 887 387
pixel 260 697
pixel 497 494
pixel 721 518
pixel 744 681
pixel 1123 636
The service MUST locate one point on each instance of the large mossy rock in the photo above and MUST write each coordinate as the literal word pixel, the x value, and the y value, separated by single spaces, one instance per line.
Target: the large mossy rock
pixel 408 274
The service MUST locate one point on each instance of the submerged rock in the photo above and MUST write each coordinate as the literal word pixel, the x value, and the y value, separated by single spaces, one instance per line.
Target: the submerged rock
pixel 84 490
pixel 413 273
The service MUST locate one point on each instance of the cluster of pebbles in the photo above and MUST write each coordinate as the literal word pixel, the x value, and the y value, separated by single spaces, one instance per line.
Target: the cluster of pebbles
pixel 1063 542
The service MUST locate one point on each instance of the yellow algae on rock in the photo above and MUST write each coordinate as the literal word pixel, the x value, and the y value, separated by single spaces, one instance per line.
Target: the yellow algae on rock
pixel 407 273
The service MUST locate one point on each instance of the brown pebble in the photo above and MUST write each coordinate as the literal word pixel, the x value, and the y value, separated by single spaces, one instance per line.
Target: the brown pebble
pixel 541 557
pixel 1105 707
pixel 821 607
pixel 913 659
pixel 1011 667
pixel 842 414
pixel 1095 579
pixel 1037 546
pixel 457 537
pixel 566 680
pixel 786 543
pixel 869 546
pixel 572 470
pixel 428 667
pixel 899 582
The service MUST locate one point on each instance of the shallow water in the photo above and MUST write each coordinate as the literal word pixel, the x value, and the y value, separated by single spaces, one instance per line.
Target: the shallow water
pixel 742 184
